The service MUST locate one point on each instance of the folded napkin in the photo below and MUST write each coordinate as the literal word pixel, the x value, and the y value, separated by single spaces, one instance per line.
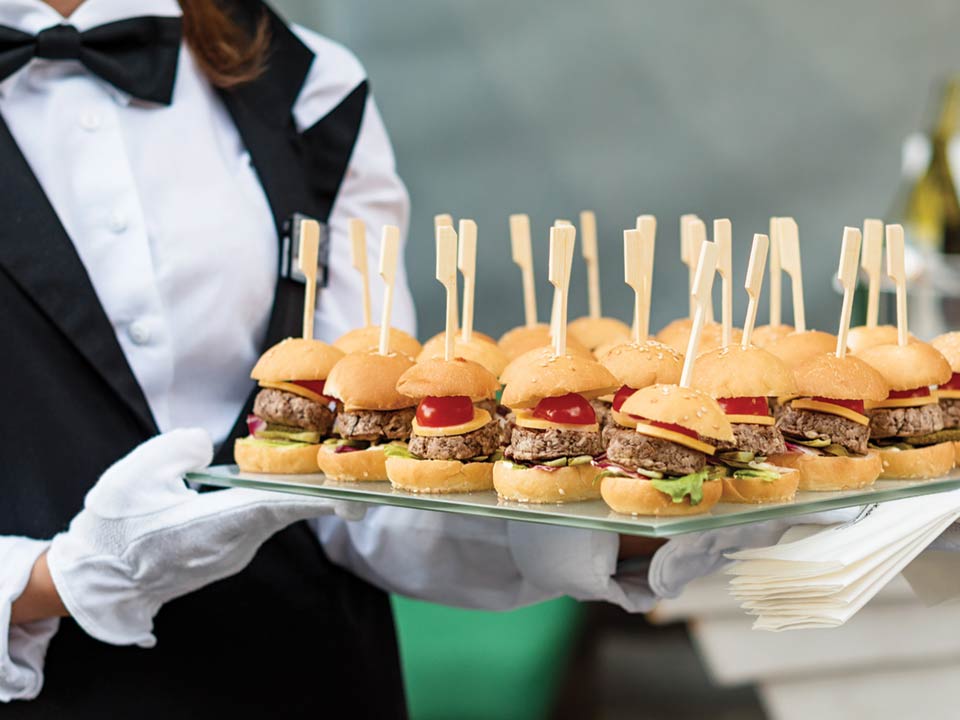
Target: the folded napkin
pixel 818 578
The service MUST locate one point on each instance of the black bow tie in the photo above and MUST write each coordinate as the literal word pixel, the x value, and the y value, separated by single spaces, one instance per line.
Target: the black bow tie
pixel 138 56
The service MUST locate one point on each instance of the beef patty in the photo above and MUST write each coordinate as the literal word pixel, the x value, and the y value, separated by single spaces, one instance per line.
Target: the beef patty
pixel 905 422
pixel 283 408
pixel 951 413
pixel 634 450
pixel 758 439
pixel 532 445
pixel 374 425
pixel 478 443
pixel 811 425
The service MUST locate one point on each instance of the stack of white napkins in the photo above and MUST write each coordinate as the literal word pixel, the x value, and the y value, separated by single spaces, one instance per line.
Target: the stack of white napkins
pixel 820 578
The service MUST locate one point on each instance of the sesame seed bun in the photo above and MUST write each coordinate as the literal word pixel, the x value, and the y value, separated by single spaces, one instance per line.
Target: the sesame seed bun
pixel 296 359
pixel 737 372
pixel 677 335
pixel 917 364
pixel 645 364
pixel 448 378
pixel 824 473
pixel 525 338
pixel 439 476
pixel 766 335
pixel 796 348
pixel 861 338
pixel 368 338
pixel 689 408
pixel 632 496
pixel 480 351
pixel 949 346
pixel 846 378
pixel 574 483
pixel 539 374
pixel 593 332
pixel 476 335
pixel 368 381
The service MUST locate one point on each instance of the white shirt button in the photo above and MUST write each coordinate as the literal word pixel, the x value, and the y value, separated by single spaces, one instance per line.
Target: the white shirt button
pixel 139 332
pixel 118 221
pixel 90 121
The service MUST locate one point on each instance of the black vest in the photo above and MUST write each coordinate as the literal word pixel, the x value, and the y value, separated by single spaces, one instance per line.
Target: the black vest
pixel 291 636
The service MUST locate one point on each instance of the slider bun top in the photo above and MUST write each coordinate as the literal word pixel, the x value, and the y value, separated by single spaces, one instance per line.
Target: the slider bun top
pixel 737 372
pixel 645 364
pixel 540 374
pixel 917 364
pixel 296 359
pixel 477 335
pixel 525 338
pixel 368 381
pixel 677 335
pixel 949 346
pixel 861 338
pixel 448 378
pixel 594 332
pixel 480 351
pixel 689 408
pixel 766 335
pixel 368 338
pixel 846 378
pixel 798 347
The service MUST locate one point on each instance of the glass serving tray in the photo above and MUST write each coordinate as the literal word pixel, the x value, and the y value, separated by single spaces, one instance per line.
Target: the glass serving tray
pixel 592 515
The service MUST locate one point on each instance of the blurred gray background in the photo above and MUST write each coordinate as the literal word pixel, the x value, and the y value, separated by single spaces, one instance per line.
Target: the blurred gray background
pixel 741 109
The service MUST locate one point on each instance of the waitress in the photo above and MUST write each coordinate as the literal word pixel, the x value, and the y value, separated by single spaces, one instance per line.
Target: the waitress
pixel 150 152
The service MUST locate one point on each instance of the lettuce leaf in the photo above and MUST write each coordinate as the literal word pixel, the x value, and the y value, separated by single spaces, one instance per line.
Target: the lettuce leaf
pixel 686 486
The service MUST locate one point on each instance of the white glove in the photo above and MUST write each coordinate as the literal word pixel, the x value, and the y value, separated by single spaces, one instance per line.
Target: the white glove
pixel 688 557
pixel 144 537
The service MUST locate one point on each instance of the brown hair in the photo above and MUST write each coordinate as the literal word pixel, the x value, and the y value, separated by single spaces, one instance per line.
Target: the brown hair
pixel 228 53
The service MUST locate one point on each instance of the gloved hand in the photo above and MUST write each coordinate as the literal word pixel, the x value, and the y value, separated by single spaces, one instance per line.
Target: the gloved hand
pixel 688 557
pixel 144 537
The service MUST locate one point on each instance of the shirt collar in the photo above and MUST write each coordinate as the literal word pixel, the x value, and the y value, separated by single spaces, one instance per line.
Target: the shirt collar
pixel 32 16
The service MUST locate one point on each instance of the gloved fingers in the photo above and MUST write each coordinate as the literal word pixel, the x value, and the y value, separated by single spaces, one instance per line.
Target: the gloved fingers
pixel 150 478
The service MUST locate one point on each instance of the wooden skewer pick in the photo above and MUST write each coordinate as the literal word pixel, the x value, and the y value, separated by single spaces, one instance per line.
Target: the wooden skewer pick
pixel 775 273
pixel 789 237
pixel 754 283
pixel 467 263
pixel 522 252
pixel 896 271
pixel 722 233
pixel 588 246
pixel 647 225
pixel 555 307
pixel 389 252
pixel 562 222
pixel 309 251
pixel 847 275
pixel 358 258
pixel 698 236
pixel 442 219
pixel 561 259
pixel 688 253
pixel 871 259
pixel 447 275
pixel 446 220
pixel 702 288
pixel 633 276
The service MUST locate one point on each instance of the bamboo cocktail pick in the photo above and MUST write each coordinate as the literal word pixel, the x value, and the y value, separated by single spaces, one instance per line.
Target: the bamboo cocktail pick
pixel 442 219
pixel 358 258
pixel 871 260
pixel 775 273
pixel 789 241
pixel 562 239
pixel 753 284
pixel 647 225
pixel 698 236
pixel 588 245
pixel 702 287
pixel 446 220
pixel 847 275
pixel 521 250
pixel 633 276
pixel 389 252
pixel 689 254
pixel 447 275
pixel 722 237
pixel 467 263
pixel 307 262
pixel 555 307
pixel 897 272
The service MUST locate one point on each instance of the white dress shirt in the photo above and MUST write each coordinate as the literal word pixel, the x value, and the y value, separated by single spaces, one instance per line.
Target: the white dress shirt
pixel 175 232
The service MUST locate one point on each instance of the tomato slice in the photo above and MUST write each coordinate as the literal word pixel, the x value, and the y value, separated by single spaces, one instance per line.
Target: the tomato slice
pixel 745 406
pixel 621 397
pixel 444 411
pixel 855 405
pixel 315 386
pixel 674 428
pixel 570 409
pixel 953 383
pixel 916 392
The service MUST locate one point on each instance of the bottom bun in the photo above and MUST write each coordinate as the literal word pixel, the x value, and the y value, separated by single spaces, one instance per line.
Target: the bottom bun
pixel 574 483
pixel 918 464
pixel 253 455
pixel 828 472
pixel 439 476
pixel 358 466
pixel 756 491
pixel 956 449
pixel 632 496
